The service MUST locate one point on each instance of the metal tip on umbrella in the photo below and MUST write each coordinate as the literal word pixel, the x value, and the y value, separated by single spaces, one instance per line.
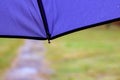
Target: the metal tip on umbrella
pixel 49 41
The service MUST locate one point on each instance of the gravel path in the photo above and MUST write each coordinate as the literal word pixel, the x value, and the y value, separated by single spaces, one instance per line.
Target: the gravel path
pixel 30 63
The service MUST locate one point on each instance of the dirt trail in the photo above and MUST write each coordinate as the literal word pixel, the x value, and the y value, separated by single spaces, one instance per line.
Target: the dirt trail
pixel 30 63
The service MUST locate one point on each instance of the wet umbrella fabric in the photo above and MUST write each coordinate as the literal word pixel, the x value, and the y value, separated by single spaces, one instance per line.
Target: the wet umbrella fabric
pixel 49 19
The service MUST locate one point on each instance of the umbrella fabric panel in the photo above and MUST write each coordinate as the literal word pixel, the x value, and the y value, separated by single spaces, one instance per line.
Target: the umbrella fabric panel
pixel 21 18
pixel 67 15
pixel 24 17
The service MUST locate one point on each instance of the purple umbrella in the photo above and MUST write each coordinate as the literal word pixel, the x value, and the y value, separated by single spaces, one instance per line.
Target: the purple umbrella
pixel 49 19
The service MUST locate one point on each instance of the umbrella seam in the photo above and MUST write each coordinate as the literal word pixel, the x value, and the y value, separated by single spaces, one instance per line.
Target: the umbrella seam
pixel 44 18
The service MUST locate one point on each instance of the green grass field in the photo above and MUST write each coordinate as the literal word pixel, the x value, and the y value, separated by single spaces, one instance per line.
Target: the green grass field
pixel 92 54
pixel 8 49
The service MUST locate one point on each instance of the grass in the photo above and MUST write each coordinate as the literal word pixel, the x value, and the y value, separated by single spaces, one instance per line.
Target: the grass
pixel 8 49
pixel 91 54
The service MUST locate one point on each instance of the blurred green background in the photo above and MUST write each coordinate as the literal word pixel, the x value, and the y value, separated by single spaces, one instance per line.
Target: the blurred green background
pixel 92 54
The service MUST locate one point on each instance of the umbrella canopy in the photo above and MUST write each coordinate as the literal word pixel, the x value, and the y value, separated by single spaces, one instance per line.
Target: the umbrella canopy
pixel 49 19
